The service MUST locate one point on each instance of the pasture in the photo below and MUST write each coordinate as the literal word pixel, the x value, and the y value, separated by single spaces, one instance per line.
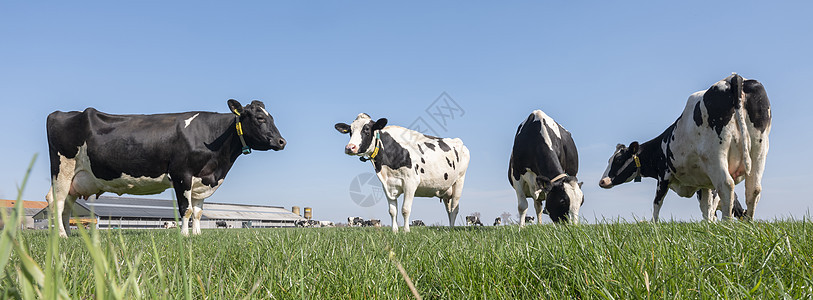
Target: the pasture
pixel 608 260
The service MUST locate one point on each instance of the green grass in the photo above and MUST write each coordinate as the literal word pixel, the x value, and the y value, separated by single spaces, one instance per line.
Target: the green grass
pixel 613 260
pixel 621 261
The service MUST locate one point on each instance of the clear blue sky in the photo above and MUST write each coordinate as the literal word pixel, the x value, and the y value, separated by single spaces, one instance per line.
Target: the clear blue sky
pixel 608 72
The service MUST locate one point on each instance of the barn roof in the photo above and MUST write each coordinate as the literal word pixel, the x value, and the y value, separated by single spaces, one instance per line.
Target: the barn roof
pixel 128 207
pixel 30 208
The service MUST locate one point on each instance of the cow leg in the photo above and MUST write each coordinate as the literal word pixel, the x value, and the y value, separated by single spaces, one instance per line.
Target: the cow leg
pixel 393 201
pixel 708 205
pixel 57 196
pixel 724 185
pixel 406 207
pixel 197 212
pixel 753 182
pixel 183 193
pixel 539 209
pixel 660 193
pixel 67 213
pixel 522 203
pixel 453 207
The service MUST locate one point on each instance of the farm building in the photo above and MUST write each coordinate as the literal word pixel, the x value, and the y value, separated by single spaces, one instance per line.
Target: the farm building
pixel 140 213
pixel 30 208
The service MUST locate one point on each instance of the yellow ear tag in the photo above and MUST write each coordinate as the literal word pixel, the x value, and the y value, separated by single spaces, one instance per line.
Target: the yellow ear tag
pixel 637 161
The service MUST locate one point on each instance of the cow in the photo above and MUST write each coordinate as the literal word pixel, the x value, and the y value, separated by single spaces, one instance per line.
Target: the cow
pixel 92 152
pixel 169 225
pixel 543 166
pixel 326 224
pixel 719 140
pixel 354 221
pixel 221 224
pixel 497 221
pixel 410 163
pixel 473 220
pixel 417 223
pixel 372 223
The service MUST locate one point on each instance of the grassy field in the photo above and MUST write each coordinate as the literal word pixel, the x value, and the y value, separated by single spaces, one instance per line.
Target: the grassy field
pixel 612 260
pixel 604 261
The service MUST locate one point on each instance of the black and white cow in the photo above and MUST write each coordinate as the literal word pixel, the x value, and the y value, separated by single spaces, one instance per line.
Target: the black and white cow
pixel 410 163
pixel 543 166
pixel 720 140
pixel 355 221
pixel 497 221
pixel 473 220
pixel 93 152
pixel 372 223
pixel 417 223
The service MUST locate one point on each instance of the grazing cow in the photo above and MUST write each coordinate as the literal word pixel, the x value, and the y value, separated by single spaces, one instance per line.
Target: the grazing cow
pixel 543 166
pixel 372 223
pixel 416 223
pixel 326 224
pixel 720 140
pixel 168 225
pixel 93 152
pixel 410 163
pixel 355 221
pixel 221 224
pixel 473 220
pixel 529 219
pixel 497 221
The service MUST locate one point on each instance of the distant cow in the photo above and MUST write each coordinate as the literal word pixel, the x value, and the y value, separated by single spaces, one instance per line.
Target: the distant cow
pixel 372 223
pixel 720 139
pixel 543 166
pixel 529 219
pixel 93 152
pixel 497 221
pixel 416 223
pixel 221 224
pixel 355 221
pixel 410 163
pixel 473 220
pixel 308 223
pixel 326 224
pixel 168 225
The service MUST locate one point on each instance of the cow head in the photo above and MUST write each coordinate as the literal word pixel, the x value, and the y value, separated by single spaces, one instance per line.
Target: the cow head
pixel 563 198
pixel 362 134
pixel 622 166
pixel 259 131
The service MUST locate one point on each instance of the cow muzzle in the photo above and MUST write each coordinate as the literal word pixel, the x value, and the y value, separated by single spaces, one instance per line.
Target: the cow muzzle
pixel 351 149
pixel 605 182
pixel 279 144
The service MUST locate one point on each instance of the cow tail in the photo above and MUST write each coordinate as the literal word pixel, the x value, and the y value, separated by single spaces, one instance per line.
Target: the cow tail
pixel 739 108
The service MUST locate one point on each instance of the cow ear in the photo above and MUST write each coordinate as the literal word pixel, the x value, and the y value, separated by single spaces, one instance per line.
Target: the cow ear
pixel 235 107
pixel 580 184
pixel 619 147
pixel 634 147
pixel 544 183
pixel 342 127
pixel 380 124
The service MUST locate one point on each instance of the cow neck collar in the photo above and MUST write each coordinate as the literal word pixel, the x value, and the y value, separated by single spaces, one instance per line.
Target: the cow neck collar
pixel 377 147
pixel 239 126
pixel 560 176
pixel 637 167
